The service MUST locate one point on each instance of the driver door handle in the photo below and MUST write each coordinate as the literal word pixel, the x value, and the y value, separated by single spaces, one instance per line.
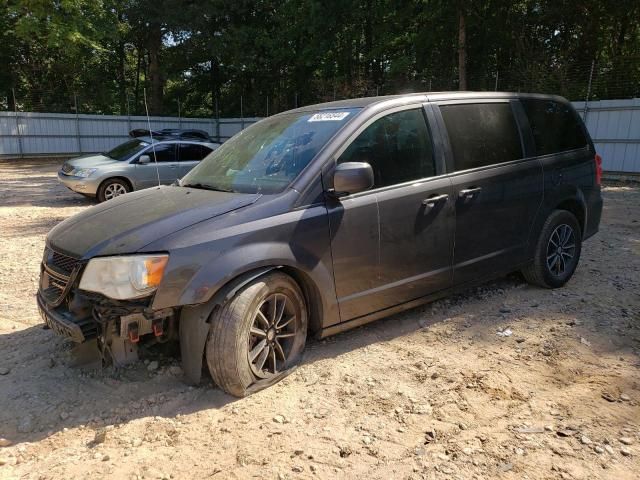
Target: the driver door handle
pixel 433 201
pixel 468 193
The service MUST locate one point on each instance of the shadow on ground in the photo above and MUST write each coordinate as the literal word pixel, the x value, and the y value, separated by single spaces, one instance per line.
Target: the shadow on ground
pixel 42 394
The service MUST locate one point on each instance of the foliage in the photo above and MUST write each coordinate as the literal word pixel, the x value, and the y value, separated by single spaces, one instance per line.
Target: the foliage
pixel 233 57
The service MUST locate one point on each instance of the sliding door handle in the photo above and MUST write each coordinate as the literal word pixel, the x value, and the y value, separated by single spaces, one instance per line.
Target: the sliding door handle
pixel 433 201
pixel 468 193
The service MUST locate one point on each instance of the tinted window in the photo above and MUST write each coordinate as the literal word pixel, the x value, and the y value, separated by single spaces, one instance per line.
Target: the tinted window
pixel 482 134
pixel 398 148
pixel 193 152
pixel 268 155
pixel 127 149
pixel 555 126
pixel 165 152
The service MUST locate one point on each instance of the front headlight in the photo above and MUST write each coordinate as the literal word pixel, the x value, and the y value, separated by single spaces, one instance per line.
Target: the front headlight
pixel 123 278
pixel 83 172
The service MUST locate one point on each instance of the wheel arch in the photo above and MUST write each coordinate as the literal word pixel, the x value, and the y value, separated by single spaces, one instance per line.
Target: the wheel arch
pixel 568 198
pixel 194 320
pixel 576 208
pixel 116 177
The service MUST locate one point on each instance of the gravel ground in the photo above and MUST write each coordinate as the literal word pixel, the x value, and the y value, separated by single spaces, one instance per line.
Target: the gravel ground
pixel 503 381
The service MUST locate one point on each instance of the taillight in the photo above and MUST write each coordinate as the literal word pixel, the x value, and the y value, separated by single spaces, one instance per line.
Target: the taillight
pixel 598 160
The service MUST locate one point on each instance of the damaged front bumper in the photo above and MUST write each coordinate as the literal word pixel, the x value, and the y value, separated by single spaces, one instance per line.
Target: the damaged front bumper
pixel 118 326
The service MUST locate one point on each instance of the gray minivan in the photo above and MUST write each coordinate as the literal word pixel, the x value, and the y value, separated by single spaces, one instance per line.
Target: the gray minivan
pixel 323 218
pixel 139 163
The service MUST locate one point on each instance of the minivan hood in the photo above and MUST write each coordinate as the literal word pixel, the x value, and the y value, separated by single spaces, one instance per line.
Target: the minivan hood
pixel 129 222
pixel 89 161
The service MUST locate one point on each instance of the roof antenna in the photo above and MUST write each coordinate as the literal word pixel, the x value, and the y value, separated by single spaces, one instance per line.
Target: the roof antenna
pixel 153 145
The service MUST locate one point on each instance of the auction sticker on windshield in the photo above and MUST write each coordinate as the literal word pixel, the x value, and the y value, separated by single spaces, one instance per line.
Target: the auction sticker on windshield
pixel 328 117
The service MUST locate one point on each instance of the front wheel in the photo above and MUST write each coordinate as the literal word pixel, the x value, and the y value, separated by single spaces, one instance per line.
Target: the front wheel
pixel 258 335
pixel 557 251
pixel 112 188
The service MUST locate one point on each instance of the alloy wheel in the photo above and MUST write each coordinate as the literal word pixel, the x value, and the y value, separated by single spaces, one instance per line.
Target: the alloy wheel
pixel 561 250
pixel 272 334
pixel 114 190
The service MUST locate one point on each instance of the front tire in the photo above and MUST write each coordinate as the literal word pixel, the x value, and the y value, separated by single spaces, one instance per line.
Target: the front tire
pixel 259 334
pixel 557 252
pixel 112 188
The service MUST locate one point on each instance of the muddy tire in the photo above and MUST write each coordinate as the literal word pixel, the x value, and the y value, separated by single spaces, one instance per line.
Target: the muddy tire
pixel 258 335
pixel 557 251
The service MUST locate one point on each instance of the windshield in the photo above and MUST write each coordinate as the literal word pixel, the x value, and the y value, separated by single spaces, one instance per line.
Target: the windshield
pixel 267 156
pixel 127 149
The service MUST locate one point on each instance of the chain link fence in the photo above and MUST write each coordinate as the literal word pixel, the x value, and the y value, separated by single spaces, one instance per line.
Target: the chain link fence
pixel 599 79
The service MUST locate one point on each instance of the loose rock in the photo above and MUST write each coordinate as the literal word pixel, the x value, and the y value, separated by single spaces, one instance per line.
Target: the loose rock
pixel 4 442
pixel 152 366
pixel 626 440
pixel 4 370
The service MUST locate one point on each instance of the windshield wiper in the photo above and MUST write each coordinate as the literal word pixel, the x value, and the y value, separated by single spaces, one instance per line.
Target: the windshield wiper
pixel 204 186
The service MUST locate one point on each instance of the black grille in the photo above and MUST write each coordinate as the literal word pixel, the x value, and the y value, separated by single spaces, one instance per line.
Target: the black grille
pixel 57 272
pixel 59 263
pixel 62 262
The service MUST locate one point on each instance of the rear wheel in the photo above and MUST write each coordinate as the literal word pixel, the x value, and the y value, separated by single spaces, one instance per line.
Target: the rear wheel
pixel 112 188
pixel 258 335
pixel 557 252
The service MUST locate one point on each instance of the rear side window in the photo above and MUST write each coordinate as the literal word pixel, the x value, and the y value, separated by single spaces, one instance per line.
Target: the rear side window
pixel 555 126
pixel 397 146
pixel 482 134
pixel 192 152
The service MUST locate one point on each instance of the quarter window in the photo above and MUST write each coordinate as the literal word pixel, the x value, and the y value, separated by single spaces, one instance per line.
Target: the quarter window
pixel 397 146
pixel 555 126
pixel 482 134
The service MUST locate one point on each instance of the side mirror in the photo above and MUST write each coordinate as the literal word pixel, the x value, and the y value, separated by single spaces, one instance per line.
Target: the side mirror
pixel 144 159
pixel 352 177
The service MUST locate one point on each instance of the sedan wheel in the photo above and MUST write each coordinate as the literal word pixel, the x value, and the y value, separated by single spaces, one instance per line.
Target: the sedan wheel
pixel 112 188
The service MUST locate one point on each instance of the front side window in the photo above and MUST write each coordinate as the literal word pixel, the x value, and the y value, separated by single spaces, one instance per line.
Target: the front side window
pixel 270 154
pixel 397 146
pixel 555 126
pixel 481 134
pixel 127 150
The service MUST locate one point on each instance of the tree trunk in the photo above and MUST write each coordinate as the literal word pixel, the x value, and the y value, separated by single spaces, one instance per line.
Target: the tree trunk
pixel 155 74
pixel 137 94
pixel 462 51
pixel 122 79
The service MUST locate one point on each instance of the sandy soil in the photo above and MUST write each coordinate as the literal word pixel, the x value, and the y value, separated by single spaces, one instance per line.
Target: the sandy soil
pixel 432 393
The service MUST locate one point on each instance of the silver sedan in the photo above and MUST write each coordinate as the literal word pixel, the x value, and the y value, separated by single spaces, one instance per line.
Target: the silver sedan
pixel 139 163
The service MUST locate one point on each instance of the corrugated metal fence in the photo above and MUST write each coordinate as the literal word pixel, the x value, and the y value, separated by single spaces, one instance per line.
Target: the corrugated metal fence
pixel 32 134
pixel 614 126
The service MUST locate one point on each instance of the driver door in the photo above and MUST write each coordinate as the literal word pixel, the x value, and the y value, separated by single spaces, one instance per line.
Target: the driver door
pixel 167 164
pixel 394 243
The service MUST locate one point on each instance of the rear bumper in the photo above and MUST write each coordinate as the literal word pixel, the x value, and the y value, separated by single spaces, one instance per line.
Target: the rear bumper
pixel 85 186
pixel 594 214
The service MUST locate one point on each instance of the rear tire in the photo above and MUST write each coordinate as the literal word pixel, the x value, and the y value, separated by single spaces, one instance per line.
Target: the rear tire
pixel 557 251
pixel 260 333
pixel 111 188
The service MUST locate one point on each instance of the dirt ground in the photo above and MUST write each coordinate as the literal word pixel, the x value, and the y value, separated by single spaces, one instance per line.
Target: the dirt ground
pixel 442 391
